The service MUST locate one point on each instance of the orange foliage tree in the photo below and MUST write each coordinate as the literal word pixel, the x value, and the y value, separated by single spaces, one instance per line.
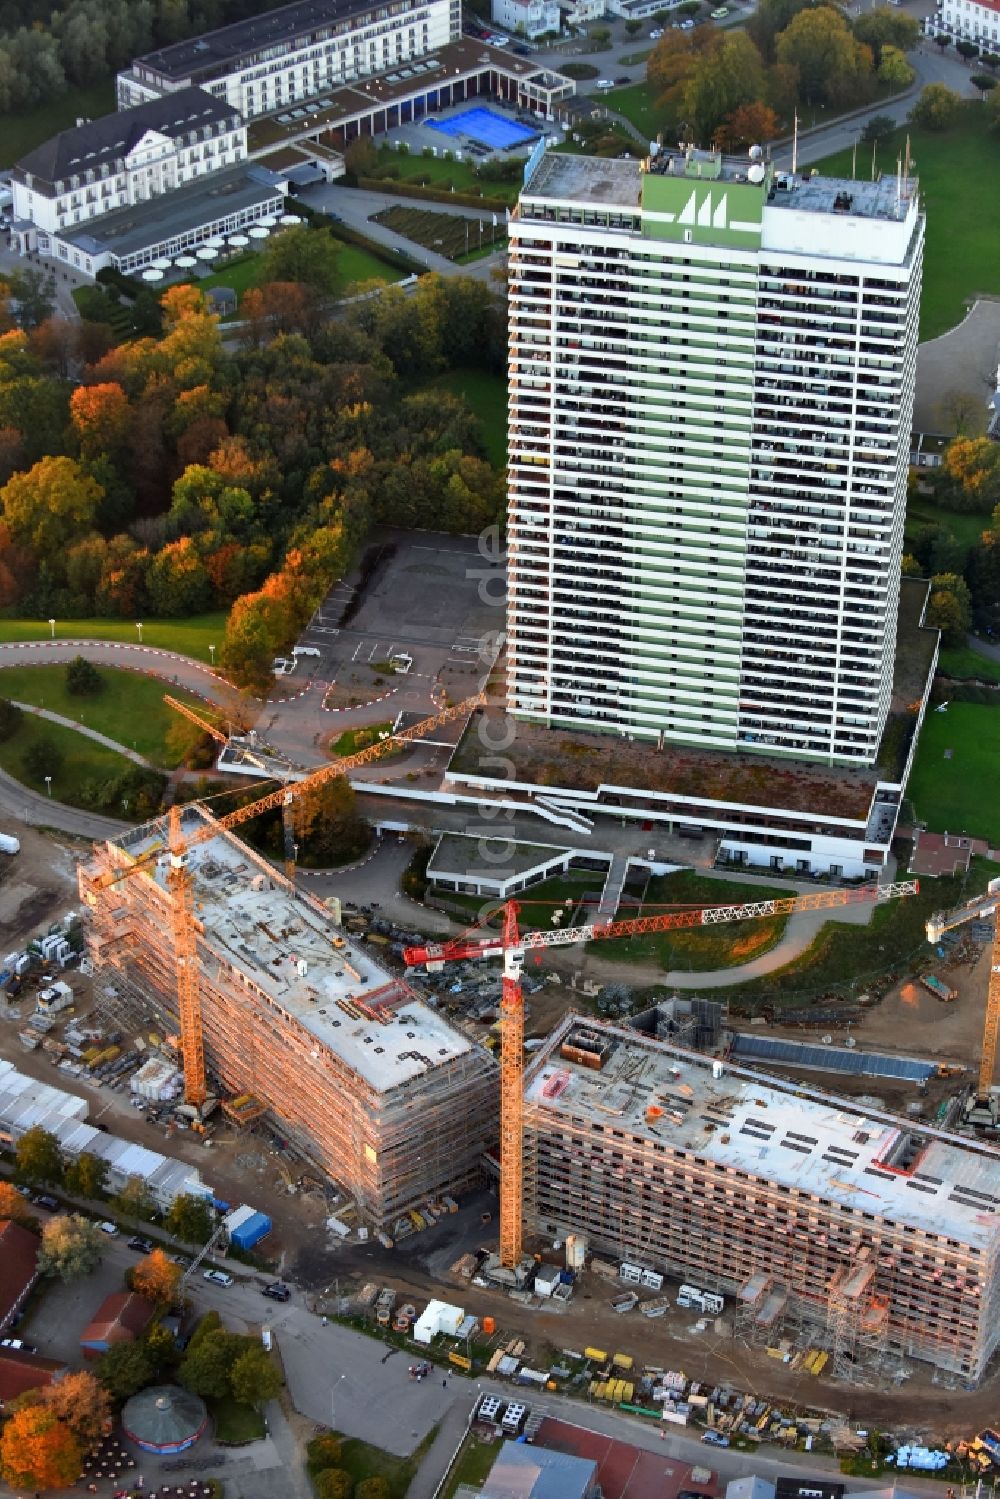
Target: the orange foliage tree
pixel 38 1451
pixel 156 1277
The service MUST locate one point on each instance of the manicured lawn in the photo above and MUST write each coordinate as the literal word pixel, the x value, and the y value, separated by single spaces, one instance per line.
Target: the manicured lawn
pixel 189 637
pixel 83 761
pixel 236 1423
pixel 242 272
pixel 20 133
pixel 352 740
pixel 130 709
pixel 473 1466
pixel 699 949
pixel 954 794
pixel 355 264
pixel 461 175
pixel 540 902
pixel 963 220
pixel 487 396
pixel 966 529
pixel 636 102
pixel 968 666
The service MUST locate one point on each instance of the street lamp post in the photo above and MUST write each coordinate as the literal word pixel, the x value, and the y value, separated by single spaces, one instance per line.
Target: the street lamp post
pixel 138 625
pixel 48 784
pixel 211 652
pixel 52 628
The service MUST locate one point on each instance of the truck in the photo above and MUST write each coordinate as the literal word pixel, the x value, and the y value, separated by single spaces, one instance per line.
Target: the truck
pixel 699 1300
pixel 9 844
pixel 938 988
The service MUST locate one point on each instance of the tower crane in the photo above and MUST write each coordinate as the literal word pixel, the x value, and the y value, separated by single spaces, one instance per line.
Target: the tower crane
pixel 184 926
pixel 982 907
pixel 511 944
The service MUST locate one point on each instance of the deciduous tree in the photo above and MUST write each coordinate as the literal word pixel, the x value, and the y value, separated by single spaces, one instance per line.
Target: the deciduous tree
pixel 254 1377
pixel 190 1219
pixel 722 80
pixel 207 1365
pixel 333 1483
pixel 157 1277
pixel 51 505
pixel 950 608
pixel 82 1403
pixel 894 69
pixel 38 1451
pixel 37 1156
pixel 16 1208
pixel 71 1247
pixel 832 66
pixel 86 1176
pixel 749 125
pixel 885 26
pixel 100 415
pixel 936 109
pixel 124 1370
pixel 304 254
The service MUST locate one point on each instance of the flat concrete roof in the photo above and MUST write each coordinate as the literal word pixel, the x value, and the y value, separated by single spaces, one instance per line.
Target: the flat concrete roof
pixel 775 1130
pixel 129 230
pixel 587 179
pixel 284 944
pixel 464 854
pixel 210 52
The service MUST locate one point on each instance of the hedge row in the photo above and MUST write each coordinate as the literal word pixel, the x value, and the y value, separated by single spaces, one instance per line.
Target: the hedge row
pixel 431 194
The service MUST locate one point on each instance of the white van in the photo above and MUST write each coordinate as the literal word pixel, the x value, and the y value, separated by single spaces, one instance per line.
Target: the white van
pixel 281 666
pixel 306 650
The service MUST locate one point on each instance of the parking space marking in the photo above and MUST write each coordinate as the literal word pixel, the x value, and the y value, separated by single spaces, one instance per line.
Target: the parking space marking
pixel 357 649
pixel 371 653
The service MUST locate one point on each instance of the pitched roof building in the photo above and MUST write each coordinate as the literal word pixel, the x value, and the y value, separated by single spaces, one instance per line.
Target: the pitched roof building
pixel 20 1372
pixel 120 1318
pixel 18 1267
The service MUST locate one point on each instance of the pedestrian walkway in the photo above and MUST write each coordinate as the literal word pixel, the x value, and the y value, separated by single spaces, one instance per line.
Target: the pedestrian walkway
pixel 71 723
pixel 450 1435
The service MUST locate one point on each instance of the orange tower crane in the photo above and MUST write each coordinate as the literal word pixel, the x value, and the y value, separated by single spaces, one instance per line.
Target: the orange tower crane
pixel 180 884
pixel 983 907
pixel 511 945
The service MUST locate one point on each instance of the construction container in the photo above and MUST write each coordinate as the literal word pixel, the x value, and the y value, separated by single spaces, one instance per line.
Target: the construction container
pixel 489 1326
pixel 596 1354
pixel 156 1080
pixel 576 1251
pixel 246 1227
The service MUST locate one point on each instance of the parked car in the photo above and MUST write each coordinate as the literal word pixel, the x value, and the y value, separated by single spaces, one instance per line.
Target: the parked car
pixel 623 79
pixel 276 1291
pixel 18 1344
pixel 654 35
pixel 144 1246
pixel 111 1229
pixel 217 1277
pixel 182 1260
pixel 605 83
pixel 715 1438
pixel 44 1201
pixel 720 13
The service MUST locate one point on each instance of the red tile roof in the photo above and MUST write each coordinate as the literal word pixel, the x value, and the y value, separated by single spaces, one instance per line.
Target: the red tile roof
pixel 18 1256
pixel 120 1318
pixel 25 1371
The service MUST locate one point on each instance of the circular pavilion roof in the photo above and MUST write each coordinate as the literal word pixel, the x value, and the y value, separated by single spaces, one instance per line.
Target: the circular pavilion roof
pixel 164 1418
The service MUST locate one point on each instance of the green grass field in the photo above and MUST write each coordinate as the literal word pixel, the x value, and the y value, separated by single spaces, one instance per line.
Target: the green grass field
pixel 636 102
pixel 487 396
pixel 699 949
pixel 968 666
pixel 353 266
pixel 189 637
pixel 20 133
pixel 963 220
pixel 954 794
pixel 966 529
pixel 129 710
pixel 352 740
pixel 83 761
pixel 473 1465
pixel 235 1423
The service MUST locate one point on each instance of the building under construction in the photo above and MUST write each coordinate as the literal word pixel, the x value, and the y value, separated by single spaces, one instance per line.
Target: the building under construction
pixel 376 1088
pixel 883 1238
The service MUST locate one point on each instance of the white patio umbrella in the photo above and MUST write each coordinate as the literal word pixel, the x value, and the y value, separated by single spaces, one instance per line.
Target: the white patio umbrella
pixel 207 252
pixel 259 232
pixel 238 241
pixel 161 264
pixel 152 273
pixel 216 242
pixel 185 262
pixel 268 221
pixel 288 219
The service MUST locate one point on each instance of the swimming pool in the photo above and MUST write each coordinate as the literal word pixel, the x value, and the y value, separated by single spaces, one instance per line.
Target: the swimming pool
pixel 483 125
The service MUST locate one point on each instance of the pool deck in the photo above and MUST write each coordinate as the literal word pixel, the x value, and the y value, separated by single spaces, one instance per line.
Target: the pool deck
pixel 484 126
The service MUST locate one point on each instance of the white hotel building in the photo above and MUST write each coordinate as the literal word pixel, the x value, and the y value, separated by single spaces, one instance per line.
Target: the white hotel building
pixel 274 61
pixel 711 385
pixel 971 20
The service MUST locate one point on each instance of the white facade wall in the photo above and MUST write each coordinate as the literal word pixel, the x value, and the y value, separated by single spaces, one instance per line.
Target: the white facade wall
pixel 155 165
pixel 256 83
pixel 527 17
pixel 972 20
pixel 708 458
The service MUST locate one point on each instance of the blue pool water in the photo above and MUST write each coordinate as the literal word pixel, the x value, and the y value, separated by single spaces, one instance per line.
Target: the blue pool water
pixel 483 125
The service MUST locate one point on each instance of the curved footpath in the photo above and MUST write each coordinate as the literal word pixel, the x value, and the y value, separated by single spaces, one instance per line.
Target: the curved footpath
pixel 79 728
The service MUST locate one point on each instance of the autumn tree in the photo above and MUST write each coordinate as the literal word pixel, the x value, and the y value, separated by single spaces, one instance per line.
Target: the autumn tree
pixel 885 26
pixel 37 1157
pixel 81 1402
pixel 751 124
pixel 375 1487
pixel 86 1176
pixel 258 627
pixel 333 1483
pixel 970 474
pixel 769 19
pixel 832 65
pixel 328 826
pixel 15 1207
pixel 156 1277
pixel 71 1247
pixel 254 1378
pixel 722 80
pixel 894 69
pixel 101 415
pixel 177 583
pixel 51 505
pixel 134 1202
pixel 936 108
pixel 125 1369
pixel 38 1451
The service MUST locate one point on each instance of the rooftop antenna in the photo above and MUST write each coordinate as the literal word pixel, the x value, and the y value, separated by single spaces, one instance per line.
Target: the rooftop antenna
pixel 854 161
pixel 795 144
pixel 899 181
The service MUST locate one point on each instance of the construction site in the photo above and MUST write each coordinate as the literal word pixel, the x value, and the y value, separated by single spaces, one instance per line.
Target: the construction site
pixel 802 1206
pixel 297 1023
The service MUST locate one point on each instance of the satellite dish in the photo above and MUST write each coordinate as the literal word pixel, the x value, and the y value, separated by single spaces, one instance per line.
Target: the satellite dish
pixel 756 172
pixel 756 153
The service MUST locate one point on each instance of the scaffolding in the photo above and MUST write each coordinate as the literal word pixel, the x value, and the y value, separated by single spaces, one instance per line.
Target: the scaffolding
pixel 378 1090
pixel 857 1320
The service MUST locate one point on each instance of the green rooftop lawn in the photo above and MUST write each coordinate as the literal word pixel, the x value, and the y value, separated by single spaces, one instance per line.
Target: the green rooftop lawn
pixel 954 794
pixel 955 169
pixel 130 708
pixel 189 637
